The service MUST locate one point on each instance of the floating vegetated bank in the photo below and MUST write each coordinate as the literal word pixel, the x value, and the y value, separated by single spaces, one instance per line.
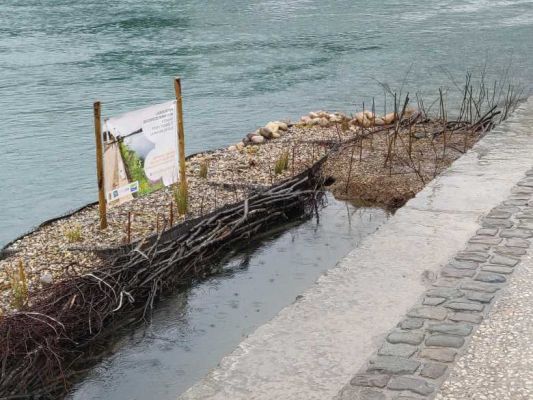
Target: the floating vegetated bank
pixel 68 282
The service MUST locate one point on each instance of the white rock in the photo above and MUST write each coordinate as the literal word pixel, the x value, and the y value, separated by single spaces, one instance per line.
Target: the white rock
pixel 240 146
pixel 273 126
pixel 313 115
pixel 369 114
pixel 46 278
pixel 282 125
pixel 360 117
pixel 389 118
pixel 232 148
pixel 305 119
pixel 323 122
pixel 265 132
pixel 276 135
pixel 379 121
pixel 257 139
pixel 314 121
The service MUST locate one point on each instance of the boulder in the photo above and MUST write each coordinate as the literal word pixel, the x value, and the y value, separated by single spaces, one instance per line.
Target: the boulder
pixel 389 118
pixel 323 122
pixel 240 145
pixel 313 115
pixel 379 121
pixel 265 132
pixel 276 135
pixel 282 126
pixel 257 139
pixel 273 126
pixel 232 148
pixel 369 114
pixel 305 119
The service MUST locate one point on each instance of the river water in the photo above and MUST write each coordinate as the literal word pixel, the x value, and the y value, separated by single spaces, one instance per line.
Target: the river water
pixel 192 330
pixel 243 62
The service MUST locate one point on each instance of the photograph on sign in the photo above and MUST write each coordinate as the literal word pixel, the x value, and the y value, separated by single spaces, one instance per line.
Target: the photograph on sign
pixel 140 152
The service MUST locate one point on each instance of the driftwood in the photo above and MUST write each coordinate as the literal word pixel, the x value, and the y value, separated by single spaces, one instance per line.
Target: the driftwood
pixel 43 348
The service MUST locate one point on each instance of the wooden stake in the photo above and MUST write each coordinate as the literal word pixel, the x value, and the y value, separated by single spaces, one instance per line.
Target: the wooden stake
pixel 100 165
pixel 171 217
pixel 129 227
pixel 181 135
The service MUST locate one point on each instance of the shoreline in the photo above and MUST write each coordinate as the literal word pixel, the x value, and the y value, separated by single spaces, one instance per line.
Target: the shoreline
pixel 234 175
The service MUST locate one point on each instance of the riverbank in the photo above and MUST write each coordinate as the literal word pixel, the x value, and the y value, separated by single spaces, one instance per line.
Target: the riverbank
pixel 314 347
pixel 276 173
pixel 364 164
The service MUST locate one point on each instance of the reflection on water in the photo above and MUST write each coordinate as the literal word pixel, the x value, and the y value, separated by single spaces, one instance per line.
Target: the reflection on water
pixel 193 330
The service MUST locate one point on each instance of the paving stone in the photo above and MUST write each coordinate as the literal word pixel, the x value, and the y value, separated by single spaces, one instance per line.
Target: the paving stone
pixel 433 301
pixel 479 286
pixel 516 233
pixel 450 328
pixel 500 214
pixel 448 293
pixel 438 313
pixel 525 182
pixel 397 350
pixel 510 251
pixel 515 202
pixel 446 282
pixel 442 355
pixel 393 365
pixel 504 260
pixel 360 393
pixel 370 380
pixel 463 264
pixel 511 209
pixel 485 240
pixel 500 269
pixel 433 370
pixel 466 317
pixel 524 216
pixel 411 323
pixel 457 273
pixel 496 223
pixel 479 296
pixel 490 277
pixel 472 256
pixel 464 306
pixel 414 385
pixel 525 224
pixel 475 247
pixel 406 398
pixel 439 340
pixel 487 231
pixel 517 242
pixel 520 196
pixel 408 337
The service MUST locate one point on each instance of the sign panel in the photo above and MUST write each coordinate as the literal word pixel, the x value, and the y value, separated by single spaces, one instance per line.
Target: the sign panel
pixel 140 152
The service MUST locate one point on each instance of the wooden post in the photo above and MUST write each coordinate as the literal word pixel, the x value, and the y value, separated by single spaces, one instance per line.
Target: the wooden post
pixel 128 230
pixel 181 135
pixel 100 165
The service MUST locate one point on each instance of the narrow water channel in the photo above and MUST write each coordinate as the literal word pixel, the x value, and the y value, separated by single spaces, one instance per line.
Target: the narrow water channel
pixel 194 329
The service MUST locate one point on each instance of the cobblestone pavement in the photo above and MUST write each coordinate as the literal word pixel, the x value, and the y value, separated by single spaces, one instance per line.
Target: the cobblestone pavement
pixel 498 364
pixel 434 337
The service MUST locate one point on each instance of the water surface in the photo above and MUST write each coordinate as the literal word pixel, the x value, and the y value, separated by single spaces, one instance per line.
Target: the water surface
pixel 193 330
pixel 243 62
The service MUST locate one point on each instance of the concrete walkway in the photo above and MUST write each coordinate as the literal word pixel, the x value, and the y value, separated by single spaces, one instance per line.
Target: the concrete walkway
pixel 315 346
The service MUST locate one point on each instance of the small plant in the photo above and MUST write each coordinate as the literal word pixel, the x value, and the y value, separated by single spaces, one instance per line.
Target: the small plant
pixel 19 286
pixel 282 163
pixel 182 199
pixel 74 234
pixel 203 170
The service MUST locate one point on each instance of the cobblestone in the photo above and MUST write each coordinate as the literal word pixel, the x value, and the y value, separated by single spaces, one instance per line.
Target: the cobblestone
pixel 445 341
pixel 438 328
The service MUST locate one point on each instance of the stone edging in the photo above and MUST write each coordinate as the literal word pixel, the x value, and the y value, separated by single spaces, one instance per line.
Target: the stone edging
pixel 416 356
